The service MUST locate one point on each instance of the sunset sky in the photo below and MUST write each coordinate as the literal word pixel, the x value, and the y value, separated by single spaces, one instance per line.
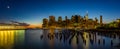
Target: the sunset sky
pixel 33 11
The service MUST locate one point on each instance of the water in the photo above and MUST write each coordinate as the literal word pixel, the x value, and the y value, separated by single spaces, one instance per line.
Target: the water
pixel 57 39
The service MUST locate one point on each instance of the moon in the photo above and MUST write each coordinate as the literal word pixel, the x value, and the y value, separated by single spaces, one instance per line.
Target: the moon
pixel 8 6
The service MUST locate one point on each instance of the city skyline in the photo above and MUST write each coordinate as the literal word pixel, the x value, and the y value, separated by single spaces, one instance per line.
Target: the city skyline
pixel 76 21
pixel 33 11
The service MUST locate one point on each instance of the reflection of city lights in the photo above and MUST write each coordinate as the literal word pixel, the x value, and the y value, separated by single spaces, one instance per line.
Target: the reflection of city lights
pixel 87 40
pixel 7 38
pixel 74 42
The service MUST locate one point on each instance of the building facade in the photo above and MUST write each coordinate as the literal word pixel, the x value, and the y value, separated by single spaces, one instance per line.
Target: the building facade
pixel 45 22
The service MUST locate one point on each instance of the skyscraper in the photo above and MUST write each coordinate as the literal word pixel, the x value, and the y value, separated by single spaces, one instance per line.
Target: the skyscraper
pixel 65 17
pixel 59 21
pixel 79 18
pixel 76 19
pixel 73 19
pixel 52 21
pixel 45 22
pixel 86 16
pixel 101 20
pixel 96 20
pixel 66 20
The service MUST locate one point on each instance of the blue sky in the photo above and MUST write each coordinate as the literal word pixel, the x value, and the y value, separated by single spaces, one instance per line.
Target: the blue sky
pixel 33 11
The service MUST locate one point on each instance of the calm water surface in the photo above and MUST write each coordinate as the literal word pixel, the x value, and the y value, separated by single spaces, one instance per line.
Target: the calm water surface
pixel 57 39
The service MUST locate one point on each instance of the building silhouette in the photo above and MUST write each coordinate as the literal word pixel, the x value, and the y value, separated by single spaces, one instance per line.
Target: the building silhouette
pixel 45 22
pixel 86 16
pixel 59 21
pixel 52 21
pixel 76 21
pixel 101 20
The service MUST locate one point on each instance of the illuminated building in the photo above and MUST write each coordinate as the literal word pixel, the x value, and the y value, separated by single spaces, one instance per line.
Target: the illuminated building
pixel 86 16
pixel 79 18
pixel 12 26
pixel 69 23
pixel 101 20
pixel 76 21
pixel 45 22
pixel 52 21
pixel 96 20
pixel 73 19
pixel 66 21
pixel 59 21
pixel 118 23
pixel 118 20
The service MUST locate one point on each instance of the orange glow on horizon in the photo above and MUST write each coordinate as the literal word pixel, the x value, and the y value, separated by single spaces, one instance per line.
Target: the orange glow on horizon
pixel 35 25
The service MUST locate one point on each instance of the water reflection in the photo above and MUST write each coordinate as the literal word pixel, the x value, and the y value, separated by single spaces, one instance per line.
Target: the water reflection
pixel 85 40
pixel 58 39
pixel 9 38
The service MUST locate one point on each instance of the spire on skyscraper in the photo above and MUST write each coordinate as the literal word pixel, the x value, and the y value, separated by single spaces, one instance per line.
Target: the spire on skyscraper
pixel 86 16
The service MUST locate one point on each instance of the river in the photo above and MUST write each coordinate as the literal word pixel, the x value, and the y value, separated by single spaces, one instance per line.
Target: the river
pixel 57 39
